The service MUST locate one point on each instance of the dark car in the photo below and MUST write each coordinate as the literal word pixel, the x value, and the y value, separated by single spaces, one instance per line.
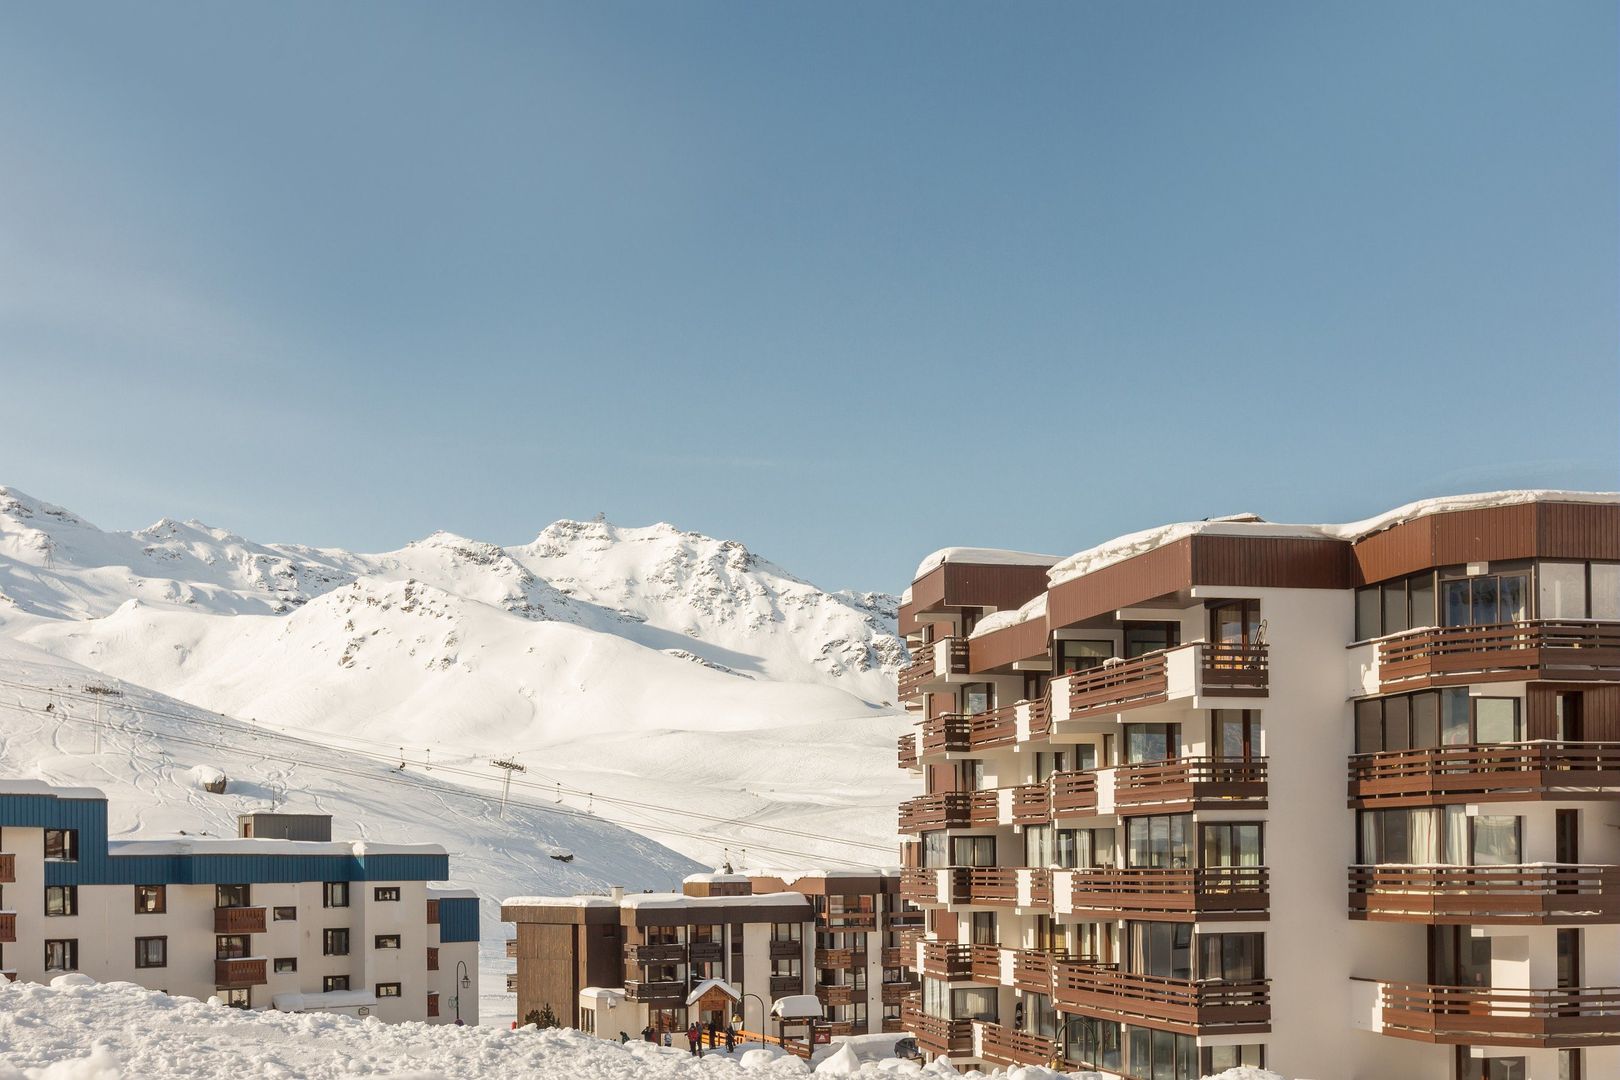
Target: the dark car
pixel 906 1049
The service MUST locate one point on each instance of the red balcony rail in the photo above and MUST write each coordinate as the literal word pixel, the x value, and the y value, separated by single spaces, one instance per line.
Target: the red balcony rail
pixel 8 869
pixel 1486 894
pixel 1009 1046
pixel 1192 780
pixel 1498 1016
pixel 947 960
pixel 1074 793
pixel 1178 895
pixel 1237 669
pixel 1125 685
pixel 1533 649
pixel 1487 771
pixel 907 750
pixel 248 971
pixel 239 920
pixel 1185 1005
pixel 935 1034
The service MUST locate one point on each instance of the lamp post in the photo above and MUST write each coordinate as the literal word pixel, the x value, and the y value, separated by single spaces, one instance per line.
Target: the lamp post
pixel 1060 1054
pixel 762 1011
pixel 465 983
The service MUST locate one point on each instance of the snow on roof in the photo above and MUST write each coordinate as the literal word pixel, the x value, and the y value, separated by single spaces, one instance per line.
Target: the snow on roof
pixel 675 899
pixel 1000 620
pixel 611 996
pixel 450 892
pixel 39 787
pixel 797 1007
pixel 716 878
pixel 559 901
pixel 253 845
pixel 788 877
pixel 711 984
pixel 982 557
pixel 331 999
pixel 1124 547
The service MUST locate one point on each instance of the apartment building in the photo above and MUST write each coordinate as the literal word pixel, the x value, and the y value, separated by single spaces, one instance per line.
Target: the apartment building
pixel 1341 801
pixel 622 962
pixel 279 917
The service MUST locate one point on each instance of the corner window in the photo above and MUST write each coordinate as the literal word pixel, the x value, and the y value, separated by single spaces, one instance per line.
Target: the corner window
pixel 61 845
pixel 385 892
pixel 61 899
pixel 336 894
pixel 151 899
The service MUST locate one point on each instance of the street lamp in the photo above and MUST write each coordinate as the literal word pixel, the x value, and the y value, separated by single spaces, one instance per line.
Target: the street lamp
pixel 466 983
pixel 762 1011
pixel 1060 1055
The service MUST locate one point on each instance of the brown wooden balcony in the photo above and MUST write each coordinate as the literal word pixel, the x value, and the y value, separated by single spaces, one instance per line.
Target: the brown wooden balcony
pixel 1233 669
pixel 931 662
pixel 959 733
pixel 984 963
pixel 894 993
pixel 1544 770
pixel 940 810
pixel 661 992
pixel 1074 793
pixel 239 920
pixel 1499 652
pixel 897 957
pixel 1495 1016
pixel 512 949
pixel 1006 1045
pixel 786 984
pixel 936 1036
pixel 1032 969
pixel 1222 670
pixel 997 886
pixel 8 928
pixel 1129 684
pixel 672 953
pixel 947 960
pixel 1205 1006
pixel 907 750
pixel 245 971
pixel 1176 895
pixel 893 1025
pixel 511 983
pixel 1040 717
pixel 8 869
pixel 706 952
pixel 1463 895
pixel 839 959
pixel 908 941
pixel 831 996
pixel 1190 783
pixel 848 920
pixel 782 950
pixel 1031 804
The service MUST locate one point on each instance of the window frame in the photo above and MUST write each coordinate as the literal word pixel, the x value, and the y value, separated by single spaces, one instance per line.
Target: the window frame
pixel 66 845
pixel 68 901
pixel 144 961
pixel 331 936
pixel 385 894
pixel 69 948
pixel 389 990
pixel 378 941
pixel 335 894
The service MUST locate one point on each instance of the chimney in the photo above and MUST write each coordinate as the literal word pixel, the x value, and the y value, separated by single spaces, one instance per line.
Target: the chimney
pixel 617 893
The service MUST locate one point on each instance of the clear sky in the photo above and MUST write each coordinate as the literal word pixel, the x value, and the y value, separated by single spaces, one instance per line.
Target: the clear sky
pixel 845 282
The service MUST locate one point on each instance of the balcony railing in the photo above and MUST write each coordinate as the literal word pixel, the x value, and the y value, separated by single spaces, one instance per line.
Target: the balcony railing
pixel 1206 1006
pixel 1128 684
pixel 246 971
pixel 1191 782
pixel 239 920
pixel 947 960
pixel 935 1035
pixel 1514 652
pixel 1464 895
pixel 985 962
pixel 8 869
pixel 786 984
pixel 960 733
pixel 8 927
pixel 941 810
pixel 1006 1045
pixel 832 996
pixel 1074 793
pixel 894 993
pixel 1175 895
pixel 1234 669
pixel 670 990
pixel 782 950
pixel 1494 772
pixel 1031 804
pixel 1497 1016
pixel 839 959
pixel 907 750
pixel 919 671
pixel 897 957
pixel 669 953
pixel 947 656
pixel 512 949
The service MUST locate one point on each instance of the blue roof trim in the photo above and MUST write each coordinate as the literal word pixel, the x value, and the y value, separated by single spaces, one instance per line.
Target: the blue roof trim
pixel 96 867
pixel 458 918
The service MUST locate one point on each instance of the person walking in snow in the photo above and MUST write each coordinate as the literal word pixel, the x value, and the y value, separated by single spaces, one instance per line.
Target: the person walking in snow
pixel 648 1035
pixel 694 1039
pixel 731 1039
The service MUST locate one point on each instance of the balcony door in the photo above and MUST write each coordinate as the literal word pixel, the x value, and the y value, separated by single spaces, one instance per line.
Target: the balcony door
pixel 1456 958
pixel 1484 599
pixel 1160 949
pixel 1235 735
pixel 1235 622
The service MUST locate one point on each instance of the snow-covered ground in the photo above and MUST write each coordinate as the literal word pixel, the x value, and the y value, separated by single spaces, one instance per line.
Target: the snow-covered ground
pixel 118 1031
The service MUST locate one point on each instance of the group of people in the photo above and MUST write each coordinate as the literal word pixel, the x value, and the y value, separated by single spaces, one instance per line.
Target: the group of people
pixel 694 1036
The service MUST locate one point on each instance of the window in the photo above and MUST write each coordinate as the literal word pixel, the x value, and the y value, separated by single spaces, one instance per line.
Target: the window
pixel 151 952
pixel 1162 949
pixel 385 892
pixel 787 931
pixel 977 1003
pixel 787 966
pixel 1404 722
pixel 235 998
pixel 1145 637
pixel 62 955
pixel 231 946
pixel 1161 841
pixel 334 982
pixel 1094 1042
pixel 1404 604
pixel 388 990
pixel 61 845
pixel 286 965
pixel 232 896
pixel 1465 719
pixel 1484 599
pixel 983 928
pixel 1235 622
pixel 1075 656
pixel 336 894
pixel 1162 1055
pixel 1232 957
pixel 151 899
pixel 978 698
pixel 61 899
pixel 1218 1059
pixel 1495 840
pixel 335 941
pixel 385 941
pixel 1562 590
pixel 1235 734
pixel 973 851
pixel 284 914
pixel 1038 845
pixel 1570 1064
pixel 1232 843
pixel 1152 742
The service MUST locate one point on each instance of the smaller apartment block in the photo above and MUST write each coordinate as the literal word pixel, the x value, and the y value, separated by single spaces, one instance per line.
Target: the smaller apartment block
pixel 607 964
pixel 1341 801
pixel 280 917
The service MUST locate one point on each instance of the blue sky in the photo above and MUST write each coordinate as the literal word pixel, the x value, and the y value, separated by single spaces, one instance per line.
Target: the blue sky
pixel 845 282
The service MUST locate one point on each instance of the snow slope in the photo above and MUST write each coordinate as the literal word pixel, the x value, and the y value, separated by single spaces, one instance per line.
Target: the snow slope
pixel 154 752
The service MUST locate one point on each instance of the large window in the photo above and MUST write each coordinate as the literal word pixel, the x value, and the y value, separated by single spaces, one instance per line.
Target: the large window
pixel 1233 957
pixel 231 947
pixel 1431 718
pixel 978 698
pixel 1235 622
pixel 1145 637
pixel 62 955
pixel 62 845
pixel 1152 742
pixel 232 896
pixel 1484 599
pixel 1431 836
pixel 1218 1059
pixel 1232 843
pixel 1235 734
pixel 1038 849
pixel 1578 590
pixel 1394 606
pixel 1075 656
pixel 1084 848
pixel 1162 1055
pixel 973 851
pixel 1094 1042
pixel 1160 841
pixel 1159 948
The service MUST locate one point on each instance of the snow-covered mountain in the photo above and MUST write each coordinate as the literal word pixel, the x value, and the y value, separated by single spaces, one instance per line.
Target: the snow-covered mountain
pixel 674 683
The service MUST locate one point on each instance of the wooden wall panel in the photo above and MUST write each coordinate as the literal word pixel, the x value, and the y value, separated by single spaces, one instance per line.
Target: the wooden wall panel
pixel 1025 641
pixel 1498 532
pixel 1526 531
pixel 1000 587
pixel 1404 549
pixel 546 970
pixel 1578 531
pixel 1141 577
pixel 1600 711
pixel 1270 562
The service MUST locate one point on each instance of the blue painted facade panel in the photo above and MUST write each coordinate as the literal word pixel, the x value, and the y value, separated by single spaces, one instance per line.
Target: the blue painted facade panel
pixel 458 918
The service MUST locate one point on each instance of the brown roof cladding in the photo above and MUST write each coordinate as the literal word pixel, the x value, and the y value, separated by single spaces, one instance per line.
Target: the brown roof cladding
pixel 835 885
pixel 792 908
pixel 966 584
pixel 998 648
pixel 1548 530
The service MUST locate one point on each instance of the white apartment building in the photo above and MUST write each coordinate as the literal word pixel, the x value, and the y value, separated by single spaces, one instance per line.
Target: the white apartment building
pixel 1342 801
pixel 260 921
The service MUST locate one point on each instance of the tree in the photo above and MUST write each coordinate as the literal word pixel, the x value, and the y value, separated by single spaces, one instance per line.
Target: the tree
pixel 545 1017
